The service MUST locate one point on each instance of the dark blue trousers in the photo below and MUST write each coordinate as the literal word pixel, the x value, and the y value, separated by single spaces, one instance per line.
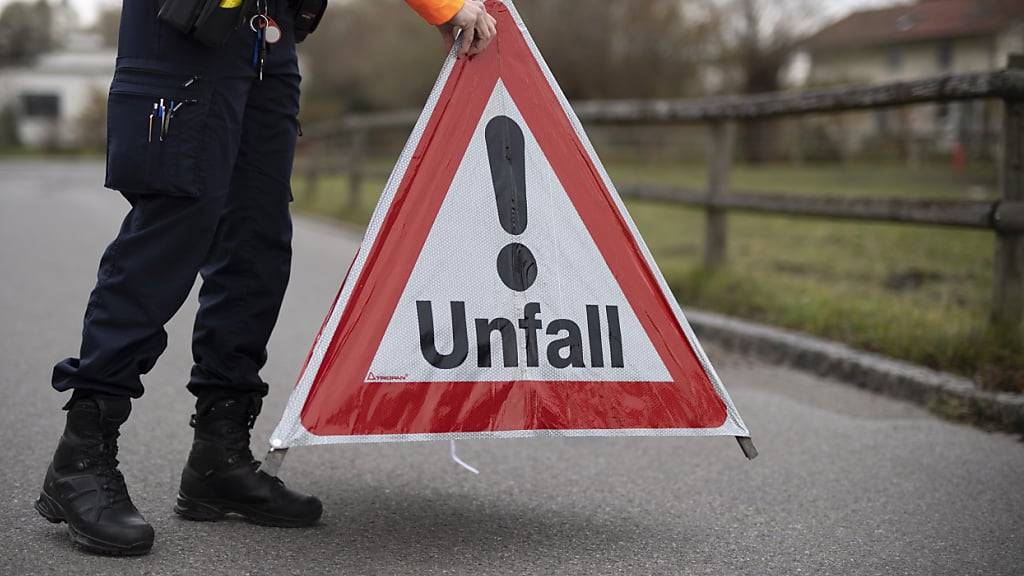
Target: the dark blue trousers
pixel 209 195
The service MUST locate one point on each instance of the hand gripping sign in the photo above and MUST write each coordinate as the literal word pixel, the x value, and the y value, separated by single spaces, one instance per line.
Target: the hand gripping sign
pixel 502 290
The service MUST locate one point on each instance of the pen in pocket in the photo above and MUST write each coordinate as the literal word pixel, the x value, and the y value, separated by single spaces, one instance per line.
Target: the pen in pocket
pixel 167 119
pixel 173 109
pixel 149 135
pixel 163 117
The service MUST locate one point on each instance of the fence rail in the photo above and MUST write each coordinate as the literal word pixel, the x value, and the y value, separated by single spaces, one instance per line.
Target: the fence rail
pixel 997 215
pixel 1005 216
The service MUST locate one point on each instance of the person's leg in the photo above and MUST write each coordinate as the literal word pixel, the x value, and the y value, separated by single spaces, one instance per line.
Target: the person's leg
pixel 144 277
pixel 247 270
pixel 177 179
pixel 244 280
pixel 178 187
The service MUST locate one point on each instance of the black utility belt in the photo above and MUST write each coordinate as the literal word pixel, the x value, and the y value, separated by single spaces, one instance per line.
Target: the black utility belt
pixel 212 21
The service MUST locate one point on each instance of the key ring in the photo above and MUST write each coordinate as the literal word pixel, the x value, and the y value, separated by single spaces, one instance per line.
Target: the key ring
pixel 264 22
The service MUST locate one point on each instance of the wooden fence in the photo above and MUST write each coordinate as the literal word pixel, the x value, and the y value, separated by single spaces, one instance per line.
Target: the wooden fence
pixel 340 146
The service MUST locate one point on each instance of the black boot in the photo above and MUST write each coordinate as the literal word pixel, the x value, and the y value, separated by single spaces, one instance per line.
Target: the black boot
pixel 83 486
pixel 221 475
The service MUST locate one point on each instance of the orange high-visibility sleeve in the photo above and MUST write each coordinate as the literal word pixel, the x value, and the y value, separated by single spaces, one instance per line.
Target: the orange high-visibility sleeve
pixel 436 11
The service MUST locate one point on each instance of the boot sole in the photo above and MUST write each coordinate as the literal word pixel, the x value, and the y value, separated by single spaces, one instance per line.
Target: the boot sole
pixel 49 508
pixel 198 510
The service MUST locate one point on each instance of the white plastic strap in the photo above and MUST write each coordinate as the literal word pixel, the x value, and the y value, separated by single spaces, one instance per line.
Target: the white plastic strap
pixel 459 461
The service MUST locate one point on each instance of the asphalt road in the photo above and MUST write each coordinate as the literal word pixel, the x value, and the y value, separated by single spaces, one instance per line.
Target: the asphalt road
pixel 847 482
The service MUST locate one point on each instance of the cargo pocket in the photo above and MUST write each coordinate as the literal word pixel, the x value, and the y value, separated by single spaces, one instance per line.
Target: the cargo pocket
pixel 156 116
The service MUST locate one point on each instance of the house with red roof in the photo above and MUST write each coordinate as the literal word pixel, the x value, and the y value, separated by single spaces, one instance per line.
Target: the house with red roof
pixel 919 40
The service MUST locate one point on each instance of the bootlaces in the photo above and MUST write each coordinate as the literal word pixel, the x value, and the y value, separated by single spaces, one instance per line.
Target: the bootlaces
pixel 237 444
pixel 103 459
pixel 236 435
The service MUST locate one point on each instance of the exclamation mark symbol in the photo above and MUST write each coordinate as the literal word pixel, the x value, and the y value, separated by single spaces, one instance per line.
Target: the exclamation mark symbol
pixel 506 151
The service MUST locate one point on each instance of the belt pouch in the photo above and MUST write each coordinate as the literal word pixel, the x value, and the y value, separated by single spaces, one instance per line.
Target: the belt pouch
pixel 308 14
pixel 210 22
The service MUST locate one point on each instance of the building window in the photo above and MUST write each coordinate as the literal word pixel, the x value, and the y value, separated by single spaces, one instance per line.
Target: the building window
pixel 40 105
pixel 945 56
pixel 894 58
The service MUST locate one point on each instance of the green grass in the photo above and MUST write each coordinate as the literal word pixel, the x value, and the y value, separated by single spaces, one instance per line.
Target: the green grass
pixel 331 198
pixel 912 292
pixel 857 179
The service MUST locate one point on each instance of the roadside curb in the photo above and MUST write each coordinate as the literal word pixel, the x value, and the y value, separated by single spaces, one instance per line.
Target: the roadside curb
pixel 943 393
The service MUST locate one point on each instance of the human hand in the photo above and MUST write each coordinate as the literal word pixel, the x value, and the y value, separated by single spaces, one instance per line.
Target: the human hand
pixel 478 29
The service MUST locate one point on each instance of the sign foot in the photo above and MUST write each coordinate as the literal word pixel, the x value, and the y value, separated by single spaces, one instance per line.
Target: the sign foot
pixel 272 463
pixel 747 445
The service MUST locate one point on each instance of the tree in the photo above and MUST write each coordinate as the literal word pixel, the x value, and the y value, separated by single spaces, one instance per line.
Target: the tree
pixel 640 48
pixel 26 31
pixel 108 23
pixel 369 55
pixel 758 38
pixel 635 49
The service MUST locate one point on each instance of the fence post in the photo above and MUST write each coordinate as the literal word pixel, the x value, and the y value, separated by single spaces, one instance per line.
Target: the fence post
pixel 720 151
pixel 1008 281
pixel 355 170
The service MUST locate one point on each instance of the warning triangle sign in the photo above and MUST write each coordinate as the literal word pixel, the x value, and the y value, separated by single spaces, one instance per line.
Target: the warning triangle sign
pixel 502 289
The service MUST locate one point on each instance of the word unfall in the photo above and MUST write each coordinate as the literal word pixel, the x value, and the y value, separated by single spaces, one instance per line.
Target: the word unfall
pixel 565 350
